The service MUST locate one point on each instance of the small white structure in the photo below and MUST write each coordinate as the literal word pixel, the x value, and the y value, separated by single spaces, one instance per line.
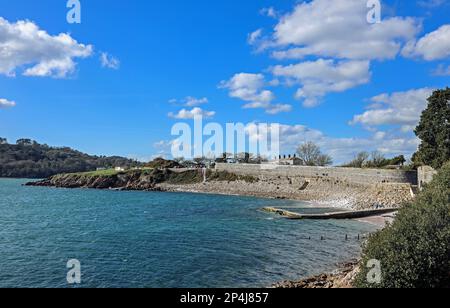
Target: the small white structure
pixel 293 161
pixel 119 169
pixel 287 160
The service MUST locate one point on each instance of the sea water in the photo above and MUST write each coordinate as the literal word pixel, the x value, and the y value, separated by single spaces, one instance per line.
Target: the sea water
pixel 154 239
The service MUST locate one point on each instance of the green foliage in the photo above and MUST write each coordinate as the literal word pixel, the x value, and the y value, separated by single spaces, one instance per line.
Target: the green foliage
pixel 415 250
pixel 161 163
pixel 375 160
pixel 106 172
pixel 28 159
pixel 196 176
pixel 230 177
pixel 434 131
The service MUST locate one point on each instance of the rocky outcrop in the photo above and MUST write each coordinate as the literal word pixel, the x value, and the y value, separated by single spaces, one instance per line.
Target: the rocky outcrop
pixel 148 180
pixel 341 278
pixel 135 180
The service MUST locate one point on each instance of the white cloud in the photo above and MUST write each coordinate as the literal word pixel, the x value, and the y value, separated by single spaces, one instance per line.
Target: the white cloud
pixel 193 101
pixel 190 101
pixel 317 78
pixel 250 88
pixel 269 12
pixel 433 46
pixel 430 3
pixel 401 108
pixel 278 108
pixel 442 70
pixel 254 36
pixel 23 44
pixel 339 29
pixel 109 61
pixel 4 103
pixel 185 114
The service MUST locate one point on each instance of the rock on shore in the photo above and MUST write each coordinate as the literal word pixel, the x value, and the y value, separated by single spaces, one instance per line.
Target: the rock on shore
pixel 341 278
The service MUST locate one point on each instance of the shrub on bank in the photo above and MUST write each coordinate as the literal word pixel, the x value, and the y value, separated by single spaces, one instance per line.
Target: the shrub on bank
pixel 414 251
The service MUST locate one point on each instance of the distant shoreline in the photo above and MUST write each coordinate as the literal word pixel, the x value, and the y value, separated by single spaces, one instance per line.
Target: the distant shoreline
pixel 322 192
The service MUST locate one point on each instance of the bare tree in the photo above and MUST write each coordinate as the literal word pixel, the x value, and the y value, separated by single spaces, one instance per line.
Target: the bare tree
pixel 360 160
pixel 378 160
pixel 311 155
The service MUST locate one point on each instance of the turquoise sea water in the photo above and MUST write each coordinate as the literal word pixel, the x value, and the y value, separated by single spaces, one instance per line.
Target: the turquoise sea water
pixel 150 239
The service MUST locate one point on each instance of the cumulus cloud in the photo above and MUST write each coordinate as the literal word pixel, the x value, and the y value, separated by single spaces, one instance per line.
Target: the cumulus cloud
pixel 317 78
pixel 24 44
pixel 185 114
pixel 401 108
pixel 109 61
pixel 4 103
pixel 339 29
pixel 251 89
pixel 248 87
pixel 433 46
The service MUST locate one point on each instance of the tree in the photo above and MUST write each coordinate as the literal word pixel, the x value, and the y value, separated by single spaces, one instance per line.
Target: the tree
pixel 434 131
pixel 310 155
pixel 359 161
pixel 3 140
pixel 29 159
pixel 25 142
pixel 179 160
pixel 377 160
pixel 397 161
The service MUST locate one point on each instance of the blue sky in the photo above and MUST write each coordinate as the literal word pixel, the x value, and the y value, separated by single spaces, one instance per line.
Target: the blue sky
pixel 307 65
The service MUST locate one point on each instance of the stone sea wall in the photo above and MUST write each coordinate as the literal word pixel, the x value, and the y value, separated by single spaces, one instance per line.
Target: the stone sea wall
pixel 349 175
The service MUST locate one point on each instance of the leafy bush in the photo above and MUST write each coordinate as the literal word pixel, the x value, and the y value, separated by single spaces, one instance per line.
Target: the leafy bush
pixel 415 250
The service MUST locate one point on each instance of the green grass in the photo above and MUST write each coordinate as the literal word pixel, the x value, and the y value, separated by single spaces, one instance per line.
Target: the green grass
pixel 107 172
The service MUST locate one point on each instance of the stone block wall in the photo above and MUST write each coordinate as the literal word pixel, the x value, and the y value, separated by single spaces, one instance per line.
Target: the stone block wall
pixel 425 175
pixel 350 175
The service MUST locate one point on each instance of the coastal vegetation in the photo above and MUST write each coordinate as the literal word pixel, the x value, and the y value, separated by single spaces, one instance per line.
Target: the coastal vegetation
pixel 414 251
pixel 375 160
pixel 29 159
pixel 434 131
pixel 139 179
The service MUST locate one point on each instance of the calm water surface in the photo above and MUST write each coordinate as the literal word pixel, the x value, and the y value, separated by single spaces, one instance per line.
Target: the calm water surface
pixel 146 239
